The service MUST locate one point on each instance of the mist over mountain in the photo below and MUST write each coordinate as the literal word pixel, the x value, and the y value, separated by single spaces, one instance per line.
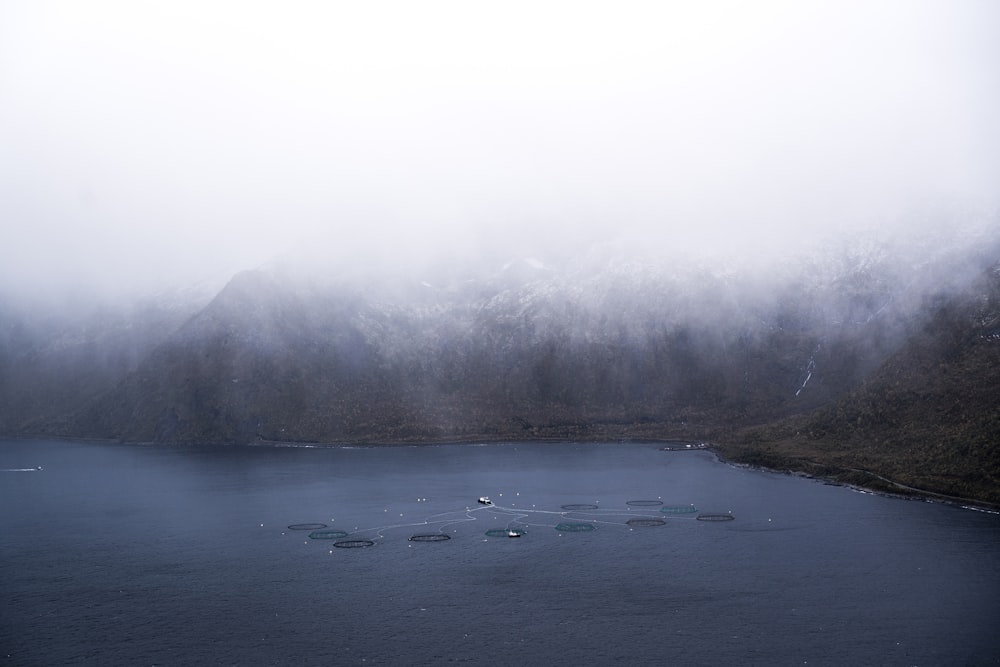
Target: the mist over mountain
pixel 771 225
pixel 861 337
pixel 56 354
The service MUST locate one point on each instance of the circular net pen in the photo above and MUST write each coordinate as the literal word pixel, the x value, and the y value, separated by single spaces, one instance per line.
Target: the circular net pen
pixel 353 544
pixel 679 509
pixel 644 503
pixel 327 534
pixel 645 523
pixel 504 532
pixel 430 537
pixel 715 517
pixel 579 507
pixel 575 527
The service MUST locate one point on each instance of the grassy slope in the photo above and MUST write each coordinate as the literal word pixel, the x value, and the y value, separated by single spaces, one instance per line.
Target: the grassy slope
pixel 929 418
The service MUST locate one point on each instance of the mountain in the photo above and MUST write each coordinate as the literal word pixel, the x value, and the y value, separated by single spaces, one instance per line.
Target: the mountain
pixel 506 357
pixel 853 358
pixel 927 418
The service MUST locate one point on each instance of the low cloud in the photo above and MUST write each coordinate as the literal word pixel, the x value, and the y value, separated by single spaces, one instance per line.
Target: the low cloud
pixel 146 146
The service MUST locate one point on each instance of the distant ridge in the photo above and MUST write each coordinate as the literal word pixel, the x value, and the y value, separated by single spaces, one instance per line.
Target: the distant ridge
pixel 842 364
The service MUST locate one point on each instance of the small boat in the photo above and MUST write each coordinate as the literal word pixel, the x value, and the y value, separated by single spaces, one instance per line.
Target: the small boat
pixel 485 500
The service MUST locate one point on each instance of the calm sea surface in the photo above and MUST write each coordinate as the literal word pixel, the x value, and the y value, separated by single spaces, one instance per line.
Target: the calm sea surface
pixel 164 555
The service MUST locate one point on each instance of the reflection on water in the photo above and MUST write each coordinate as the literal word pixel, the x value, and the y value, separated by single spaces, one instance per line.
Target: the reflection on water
pixel 124 554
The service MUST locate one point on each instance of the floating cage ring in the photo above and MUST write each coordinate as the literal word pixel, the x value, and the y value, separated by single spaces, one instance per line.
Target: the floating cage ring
pixel 353 544
pixel 504 532
pixel 679 509
pixel 327 534
pixel 579 506
pixel 646 522
pixel 430 537
pixel 644 503
pixel 575 527
pixel 307 526
pixel 715 517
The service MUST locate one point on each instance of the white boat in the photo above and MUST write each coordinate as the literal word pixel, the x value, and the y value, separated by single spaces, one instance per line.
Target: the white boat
pixel 513 533
pixel 485 500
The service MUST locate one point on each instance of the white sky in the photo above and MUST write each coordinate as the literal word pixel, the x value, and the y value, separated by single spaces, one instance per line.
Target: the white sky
pixel 149 141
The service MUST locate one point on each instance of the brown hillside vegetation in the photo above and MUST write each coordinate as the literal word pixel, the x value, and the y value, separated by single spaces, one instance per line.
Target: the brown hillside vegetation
pixel 929 418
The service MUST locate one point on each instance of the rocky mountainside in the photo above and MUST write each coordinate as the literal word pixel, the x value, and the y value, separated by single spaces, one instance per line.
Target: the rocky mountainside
pixel 848 350
pixel 511 356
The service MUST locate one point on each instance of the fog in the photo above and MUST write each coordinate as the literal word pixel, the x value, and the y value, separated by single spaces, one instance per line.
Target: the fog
pixel 153 144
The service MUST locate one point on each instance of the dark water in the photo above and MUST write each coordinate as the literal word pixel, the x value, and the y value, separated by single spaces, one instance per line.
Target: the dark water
pixel 141 555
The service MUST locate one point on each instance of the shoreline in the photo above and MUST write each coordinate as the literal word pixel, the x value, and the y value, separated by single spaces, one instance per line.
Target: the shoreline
pixel 911 493
pixel 668 445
